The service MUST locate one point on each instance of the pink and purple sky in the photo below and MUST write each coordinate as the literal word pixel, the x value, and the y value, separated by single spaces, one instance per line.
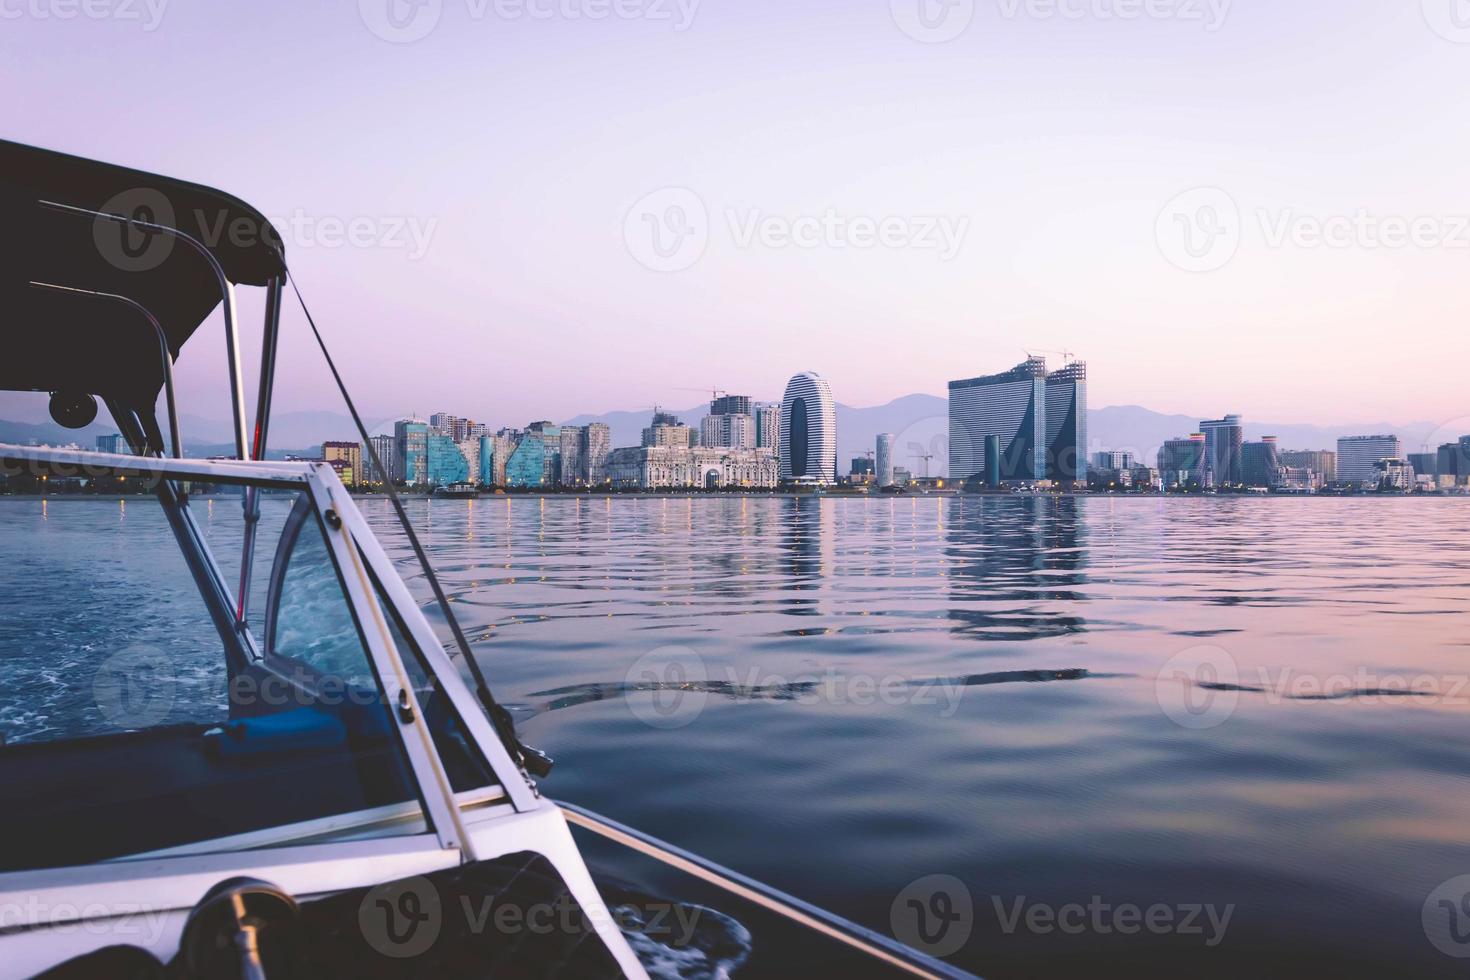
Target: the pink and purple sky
pixel 519 139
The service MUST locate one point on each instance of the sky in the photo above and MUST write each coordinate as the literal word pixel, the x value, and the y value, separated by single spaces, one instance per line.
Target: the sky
pixel 574 206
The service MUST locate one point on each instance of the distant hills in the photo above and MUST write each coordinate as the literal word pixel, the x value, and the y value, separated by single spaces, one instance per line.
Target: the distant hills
pixel 920 422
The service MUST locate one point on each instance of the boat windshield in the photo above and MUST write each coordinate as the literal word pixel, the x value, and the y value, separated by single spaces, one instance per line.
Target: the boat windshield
pixel 137 716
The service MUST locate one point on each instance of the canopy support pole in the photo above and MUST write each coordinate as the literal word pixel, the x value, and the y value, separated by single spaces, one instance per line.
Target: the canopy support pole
pixel 165 358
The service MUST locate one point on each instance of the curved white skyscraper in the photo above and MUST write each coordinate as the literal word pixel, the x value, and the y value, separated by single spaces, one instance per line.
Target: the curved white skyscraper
pixel 809 431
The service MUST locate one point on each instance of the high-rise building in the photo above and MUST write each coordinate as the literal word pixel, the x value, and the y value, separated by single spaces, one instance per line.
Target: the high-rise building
pixel 808 450
pixel 731 405
pixel 114 443
pixel 530 462
pixel 667 430
pixel 385 448
pixel 411 438
pixel 1452 463
pixel 1182 462
pixel 456 428
pixel 348 452
pixel 1066 424
pixel 727 431
pixel 444 462
pixel 503 445
pixel 596 447
pixel 572 466
pixel 1113 460
pixel 469 448
pixel 1321 463
pixel 1224 440
pixel 1260 463
pixel 1358 457
pixel 768 426
pixel 885 459
pixel 1011 405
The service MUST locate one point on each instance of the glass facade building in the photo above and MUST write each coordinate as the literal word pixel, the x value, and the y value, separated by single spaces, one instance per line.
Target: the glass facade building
pixel 1224 443
pixel 1182 462
pixel 808 451
pixel 1066 424
pixel 1260 463
pixel 527 465
pixel 444 462
pixel 411 445
pixel 885 459
pixel 1358 457
pixel 1011 406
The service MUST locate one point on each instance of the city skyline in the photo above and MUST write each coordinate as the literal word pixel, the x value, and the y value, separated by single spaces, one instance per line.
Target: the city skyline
pixel 487 254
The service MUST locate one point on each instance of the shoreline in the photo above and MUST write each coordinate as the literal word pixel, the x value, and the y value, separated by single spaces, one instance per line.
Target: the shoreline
pixel 780 495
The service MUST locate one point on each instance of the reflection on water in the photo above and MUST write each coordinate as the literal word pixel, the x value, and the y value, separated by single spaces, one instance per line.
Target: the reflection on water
pixel 1323 805
pixel 1259 704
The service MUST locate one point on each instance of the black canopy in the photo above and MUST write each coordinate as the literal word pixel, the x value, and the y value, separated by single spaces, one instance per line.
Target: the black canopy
pixel 63 341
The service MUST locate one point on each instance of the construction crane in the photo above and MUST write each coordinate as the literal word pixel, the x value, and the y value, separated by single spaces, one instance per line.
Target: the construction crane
pixel 1067 355
pixel 925 456
pixel 714 393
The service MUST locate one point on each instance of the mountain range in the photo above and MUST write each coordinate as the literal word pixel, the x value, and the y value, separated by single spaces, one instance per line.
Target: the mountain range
pixel 920 422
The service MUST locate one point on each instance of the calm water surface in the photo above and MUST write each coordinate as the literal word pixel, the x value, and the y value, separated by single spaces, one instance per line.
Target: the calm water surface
pixel 1256 706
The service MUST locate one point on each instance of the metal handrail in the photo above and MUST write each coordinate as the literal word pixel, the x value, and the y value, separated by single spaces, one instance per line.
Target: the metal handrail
pixel 860 938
